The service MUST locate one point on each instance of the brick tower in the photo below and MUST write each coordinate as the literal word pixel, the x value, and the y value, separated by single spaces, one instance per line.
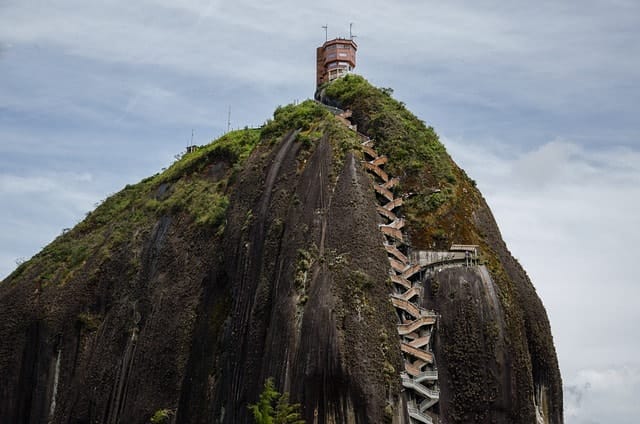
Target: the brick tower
pixel 334 59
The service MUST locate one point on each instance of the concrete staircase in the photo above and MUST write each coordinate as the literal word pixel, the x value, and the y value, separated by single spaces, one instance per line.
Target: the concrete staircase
pixel 406 267
pixel 416 324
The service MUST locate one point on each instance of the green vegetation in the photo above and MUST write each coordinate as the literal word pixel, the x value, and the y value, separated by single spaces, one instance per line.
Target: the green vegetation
pixel 232 148
pixel 195 187
pixel 360 280
pixel 398 133
pixel 161 416
pixel 303 117
pixel 274 408
pixel 344 141
pixel 89 321
pixel 303 265
pixel 440 195
pixel 198 197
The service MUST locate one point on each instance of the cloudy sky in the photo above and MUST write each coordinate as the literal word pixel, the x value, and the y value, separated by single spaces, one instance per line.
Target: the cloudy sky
pixel 538 101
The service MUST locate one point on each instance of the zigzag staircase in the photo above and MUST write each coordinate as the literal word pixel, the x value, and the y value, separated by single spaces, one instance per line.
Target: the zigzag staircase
pixel 420 376
pixel 416 324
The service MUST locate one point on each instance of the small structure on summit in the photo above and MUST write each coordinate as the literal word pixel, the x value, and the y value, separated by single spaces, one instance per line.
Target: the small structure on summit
pixel 334 59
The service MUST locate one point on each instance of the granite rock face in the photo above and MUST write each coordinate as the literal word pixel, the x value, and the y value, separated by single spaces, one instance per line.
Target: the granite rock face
pixel 259 256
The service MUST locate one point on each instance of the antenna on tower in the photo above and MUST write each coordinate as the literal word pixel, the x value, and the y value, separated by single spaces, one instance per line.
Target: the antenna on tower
pixel 326 33
pixel 351 36
pixel 229 119
pixel 190 147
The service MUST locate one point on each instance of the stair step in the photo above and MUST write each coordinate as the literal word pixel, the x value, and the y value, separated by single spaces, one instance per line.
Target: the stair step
pixel 369 150
pixel 392 232
pixel 386 213
pixel 380 160
pixel 377 170
pixel 383 191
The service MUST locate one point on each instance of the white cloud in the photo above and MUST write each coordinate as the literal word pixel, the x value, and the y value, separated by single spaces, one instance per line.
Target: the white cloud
pixel 194 37
pixel 40 207
pixel 14 184
pixel 605 395
pixel 215 37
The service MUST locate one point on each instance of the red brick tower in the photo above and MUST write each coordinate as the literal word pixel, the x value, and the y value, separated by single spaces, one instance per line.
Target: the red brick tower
pixel 335 58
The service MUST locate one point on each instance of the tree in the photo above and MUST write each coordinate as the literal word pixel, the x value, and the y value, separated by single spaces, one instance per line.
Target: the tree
pixel 274 408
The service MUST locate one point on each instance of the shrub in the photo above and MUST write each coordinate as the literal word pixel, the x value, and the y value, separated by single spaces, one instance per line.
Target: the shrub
pixel 161 416
pixel 290 117
pixel 274 408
